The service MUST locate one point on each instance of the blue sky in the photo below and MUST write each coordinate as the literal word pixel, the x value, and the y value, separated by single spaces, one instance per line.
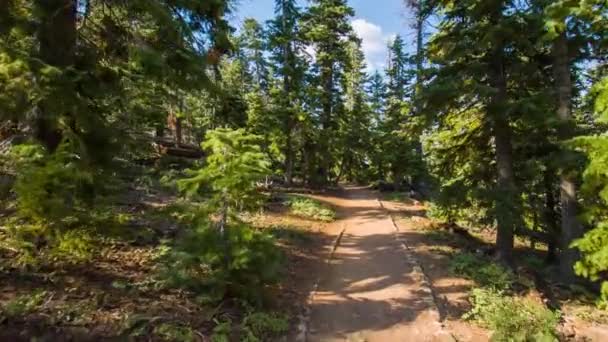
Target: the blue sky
pixel 375 22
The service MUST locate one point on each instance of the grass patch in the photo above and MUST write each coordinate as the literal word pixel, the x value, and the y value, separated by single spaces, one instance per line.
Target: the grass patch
pixel 290 234
pixel 437 235
pixel 482 271
pixel 310 208
pixel 174 332
pixel 398 197
pixel 23 305
pixel 255 327
pixel 512 319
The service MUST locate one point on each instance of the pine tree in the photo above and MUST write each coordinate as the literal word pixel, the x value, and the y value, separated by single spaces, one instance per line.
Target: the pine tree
pixel 481 65
pixel 286 49
pixel 326 26
pixel 354 126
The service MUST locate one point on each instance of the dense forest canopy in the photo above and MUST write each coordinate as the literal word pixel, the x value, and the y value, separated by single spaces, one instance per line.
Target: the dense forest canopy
pixel 495 112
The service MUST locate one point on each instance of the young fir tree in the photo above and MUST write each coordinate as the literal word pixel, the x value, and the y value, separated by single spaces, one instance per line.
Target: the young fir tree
pixel 234 165
pixel 236 259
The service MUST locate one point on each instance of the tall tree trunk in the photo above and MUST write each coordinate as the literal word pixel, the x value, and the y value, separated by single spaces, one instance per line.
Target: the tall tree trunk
pixel 289 158
pixel 550 216
pixel 327 104
pixel 418 181
pixel 287 68
pixel 571 228
pixel 57 36
pixel 507 210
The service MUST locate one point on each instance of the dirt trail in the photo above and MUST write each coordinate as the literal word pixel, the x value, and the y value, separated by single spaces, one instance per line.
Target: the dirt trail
pixel 373 290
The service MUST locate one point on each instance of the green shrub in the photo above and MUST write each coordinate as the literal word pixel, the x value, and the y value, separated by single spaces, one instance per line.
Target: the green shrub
pixel 175 333
pixel 481 270
pixel 203 261
pixel 310 208
pixel 261 326
pixel 512 319
pixel 255 327
pixel 55 212
pixel 220 255
pixel 290 234
pixel 53 190
pixel 594 261
pixel 221 332
pixel 594 192
pixel 397 197
pixel 23 305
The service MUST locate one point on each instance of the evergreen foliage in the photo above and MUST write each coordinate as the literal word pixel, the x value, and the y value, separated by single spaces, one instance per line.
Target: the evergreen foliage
pixel 221 255
pixel 496 113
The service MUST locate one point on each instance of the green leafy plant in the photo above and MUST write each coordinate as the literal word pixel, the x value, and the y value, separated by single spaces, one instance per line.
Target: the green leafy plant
pixel 261 326
pixel 23 305
pixel 310 208
pixel 512 319
pixel 174 332
pixel 221 332
pixel 219 254
pixel 198 262
pixel 481 270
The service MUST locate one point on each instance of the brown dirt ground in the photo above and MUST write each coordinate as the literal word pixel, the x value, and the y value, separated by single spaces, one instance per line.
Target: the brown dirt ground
pixel 113 297
pixel 373 290
pixel 433 246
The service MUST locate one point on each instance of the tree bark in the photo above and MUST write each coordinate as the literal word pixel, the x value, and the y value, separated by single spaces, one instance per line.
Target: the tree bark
pixel 571 228
pixel 327 104
pixel 550 216
pixel 287 68
pixel 57 37
pixel 289 159
pixel 507 210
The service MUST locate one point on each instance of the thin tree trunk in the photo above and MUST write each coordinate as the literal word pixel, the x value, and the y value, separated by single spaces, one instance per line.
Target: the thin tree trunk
pixel 222 225
pixel 571 228
pixel 57 35
pixel 343 166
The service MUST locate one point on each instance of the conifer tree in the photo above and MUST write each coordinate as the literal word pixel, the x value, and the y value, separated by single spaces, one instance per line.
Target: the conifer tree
pixel 327 28
pixel 286 47
pixel 481 65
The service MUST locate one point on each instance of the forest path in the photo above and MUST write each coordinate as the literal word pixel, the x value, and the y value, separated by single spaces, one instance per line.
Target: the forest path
pixel 373 289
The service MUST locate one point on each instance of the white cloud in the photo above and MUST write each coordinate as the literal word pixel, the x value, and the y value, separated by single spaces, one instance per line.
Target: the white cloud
pixel 374 42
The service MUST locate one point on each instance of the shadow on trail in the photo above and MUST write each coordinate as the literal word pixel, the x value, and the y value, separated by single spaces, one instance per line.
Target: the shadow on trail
pixel 371 286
